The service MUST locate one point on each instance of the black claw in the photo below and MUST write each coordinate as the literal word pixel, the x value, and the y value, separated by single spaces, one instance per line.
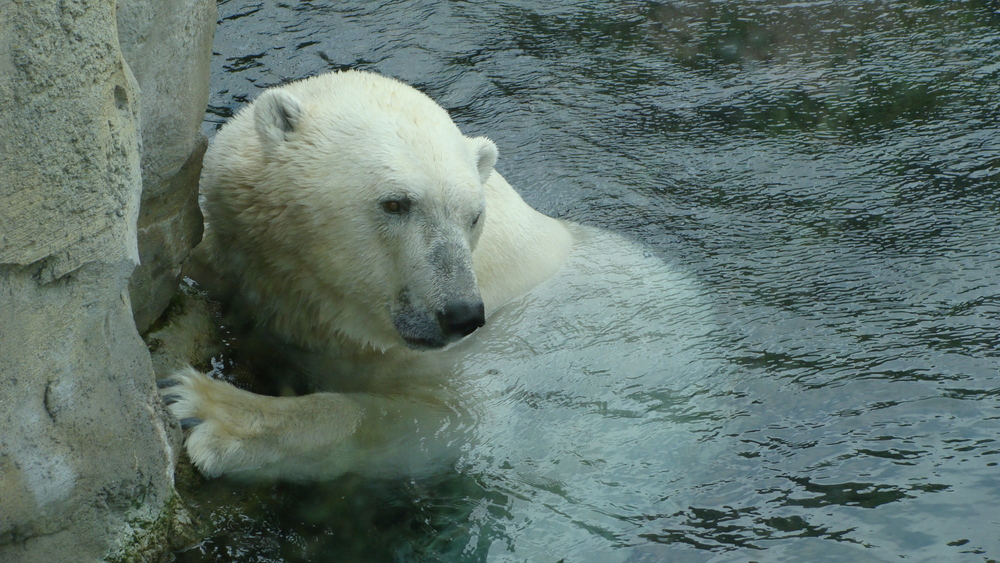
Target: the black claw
pixel 190 422
pixel 171 399
pixel 164 383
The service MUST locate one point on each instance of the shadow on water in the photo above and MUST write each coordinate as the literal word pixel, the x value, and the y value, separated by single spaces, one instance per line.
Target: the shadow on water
pixel 828 170
pixel 350 519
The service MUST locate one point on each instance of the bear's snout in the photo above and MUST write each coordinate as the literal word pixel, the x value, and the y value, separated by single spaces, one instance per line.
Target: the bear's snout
pixel 460 319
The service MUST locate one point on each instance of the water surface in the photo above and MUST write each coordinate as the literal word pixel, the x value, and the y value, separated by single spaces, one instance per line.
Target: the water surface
pixel 827 171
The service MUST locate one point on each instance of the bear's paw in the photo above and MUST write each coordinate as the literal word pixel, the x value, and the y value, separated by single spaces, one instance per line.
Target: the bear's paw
pixel 217 419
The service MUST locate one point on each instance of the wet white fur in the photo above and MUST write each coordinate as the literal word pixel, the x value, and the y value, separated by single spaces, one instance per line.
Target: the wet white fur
pixel 291 187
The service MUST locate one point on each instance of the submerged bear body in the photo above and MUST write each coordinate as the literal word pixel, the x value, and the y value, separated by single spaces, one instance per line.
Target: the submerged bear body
pixel 443 321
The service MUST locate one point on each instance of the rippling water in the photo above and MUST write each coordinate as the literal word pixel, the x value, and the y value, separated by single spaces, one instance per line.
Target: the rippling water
pixel 827 170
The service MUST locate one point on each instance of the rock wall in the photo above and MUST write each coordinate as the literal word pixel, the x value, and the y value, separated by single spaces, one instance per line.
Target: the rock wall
pixel 86 460
pixel 168 45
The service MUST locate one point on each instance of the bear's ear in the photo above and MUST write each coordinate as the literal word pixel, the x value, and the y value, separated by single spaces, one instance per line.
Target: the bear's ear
pixel 277 113
pixel 486 156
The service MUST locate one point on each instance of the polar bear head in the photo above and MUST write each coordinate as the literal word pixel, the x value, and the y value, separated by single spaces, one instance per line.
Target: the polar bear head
pixel 367 203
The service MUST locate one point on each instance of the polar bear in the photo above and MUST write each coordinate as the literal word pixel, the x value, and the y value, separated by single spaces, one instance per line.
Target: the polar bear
pixel 421 294
pixel 355 220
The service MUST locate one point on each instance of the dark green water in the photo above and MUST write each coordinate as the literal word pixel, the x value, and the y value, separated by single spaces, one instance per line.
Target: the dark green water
pixel 827 170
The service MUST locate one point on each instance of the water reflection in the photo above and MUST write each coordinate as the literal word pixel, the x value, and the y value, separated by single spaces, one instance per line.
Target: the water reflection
pixel 829 169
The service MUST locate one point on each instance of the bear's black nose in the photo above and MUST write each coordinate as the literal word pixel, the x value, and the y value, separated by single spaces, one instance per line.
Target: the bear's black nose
pixel 461 319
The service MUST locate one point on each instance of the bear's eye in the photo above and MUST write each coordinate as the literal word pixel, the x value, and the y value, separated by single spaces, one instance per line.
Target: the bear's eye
pixel 476 220
pixel 396 206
